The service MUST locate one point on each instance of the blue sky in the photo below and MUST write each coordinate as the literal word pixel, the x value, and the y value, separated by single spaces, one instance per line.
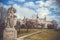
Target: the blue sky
pixel 29 8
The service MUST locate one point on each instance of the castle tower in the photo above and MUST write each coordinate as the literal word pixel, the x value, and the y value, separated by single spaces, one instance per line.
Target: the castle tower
pixel 37 18
pixel 10 33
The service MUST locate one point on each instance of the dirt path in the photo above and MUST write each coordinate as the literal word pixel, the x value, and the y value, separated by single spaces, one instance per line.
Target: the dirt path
pixel 22 38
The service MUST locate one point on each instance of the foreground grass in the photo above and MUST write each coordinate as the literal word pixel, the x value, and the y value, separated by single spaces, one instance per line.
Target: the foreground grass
pixel 23 32
pixel 45 35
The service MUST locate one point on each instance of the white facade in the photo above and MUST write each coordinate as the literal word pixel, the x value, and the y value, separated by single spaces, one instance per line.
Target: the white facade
pixel 44 22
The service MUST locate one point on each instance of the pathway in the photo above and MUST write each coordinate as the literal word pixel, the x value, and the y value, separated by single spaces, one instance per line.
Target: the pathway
pixel 21 38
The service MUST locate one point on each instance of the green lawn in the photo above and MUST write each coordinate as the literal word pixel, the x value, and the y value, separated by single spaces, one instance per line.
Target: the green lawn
pixel 23 32
pixel 45 35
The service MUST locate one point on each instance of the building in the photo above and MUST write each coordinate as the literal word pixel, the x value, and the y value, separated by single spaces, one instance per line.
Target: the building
pixel 41 23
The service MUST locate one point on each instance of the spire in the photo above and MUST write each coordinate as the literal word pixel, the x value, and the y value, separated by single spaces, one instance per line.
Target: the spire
pixel 37 16
pixel 45 18
pixel 24 17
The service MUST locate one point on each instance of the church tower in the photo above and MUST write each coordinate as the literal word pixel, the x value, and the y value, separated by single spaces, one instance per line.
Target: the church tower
pixel 45 18
pixel 37 16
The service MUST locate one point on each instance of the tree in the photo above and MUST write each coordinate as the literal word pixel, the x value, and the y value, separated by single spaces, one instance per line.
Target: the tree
pixel 2 20
pixel 54 24
pixel 28 25
pixel 18 26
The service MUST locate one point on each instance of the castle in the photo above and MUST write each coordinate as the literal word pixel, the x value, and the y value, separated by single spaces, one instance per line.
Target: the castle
pixel 41 23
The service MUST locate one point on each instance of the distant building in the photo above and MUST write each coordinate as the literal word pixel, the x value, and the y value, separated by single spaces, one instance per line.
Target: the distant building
pixel 41 23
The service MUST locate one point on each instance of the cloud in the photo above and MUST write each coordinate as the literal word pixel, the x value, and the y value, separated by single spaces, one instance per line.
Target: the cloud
pixel 3 11
pixel 1 4
pixel 20 0
pixel 10 2
pixel 23 11
pixel 58 1
pixel 57 18
pixel 58 9
pixel 42 3
pixel 44 7
pixel 6 6
pixel 43 12
pixel 29 4
pixel 39 7
pixel 48 3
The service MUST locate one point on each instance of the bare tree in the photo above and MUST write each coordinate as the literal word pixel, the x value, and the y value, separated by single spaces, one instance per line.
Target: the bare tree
pixel 18 26
pixel 2 22
pixel 55 24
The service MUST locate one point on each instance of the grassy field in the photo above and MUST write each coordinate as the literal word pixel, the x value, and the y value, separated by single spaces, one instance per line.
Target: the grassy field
pixel 45 35
pixel 23 32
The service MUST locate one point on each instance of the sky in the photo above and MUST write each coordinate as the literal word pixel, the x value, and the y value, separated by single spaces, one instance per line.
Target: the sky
pixel 30 8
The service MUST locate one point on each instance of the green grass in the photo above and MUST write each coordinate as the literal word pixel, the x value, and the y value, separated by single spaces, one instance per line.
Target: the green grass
pixel 23 32
pixel 46 35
